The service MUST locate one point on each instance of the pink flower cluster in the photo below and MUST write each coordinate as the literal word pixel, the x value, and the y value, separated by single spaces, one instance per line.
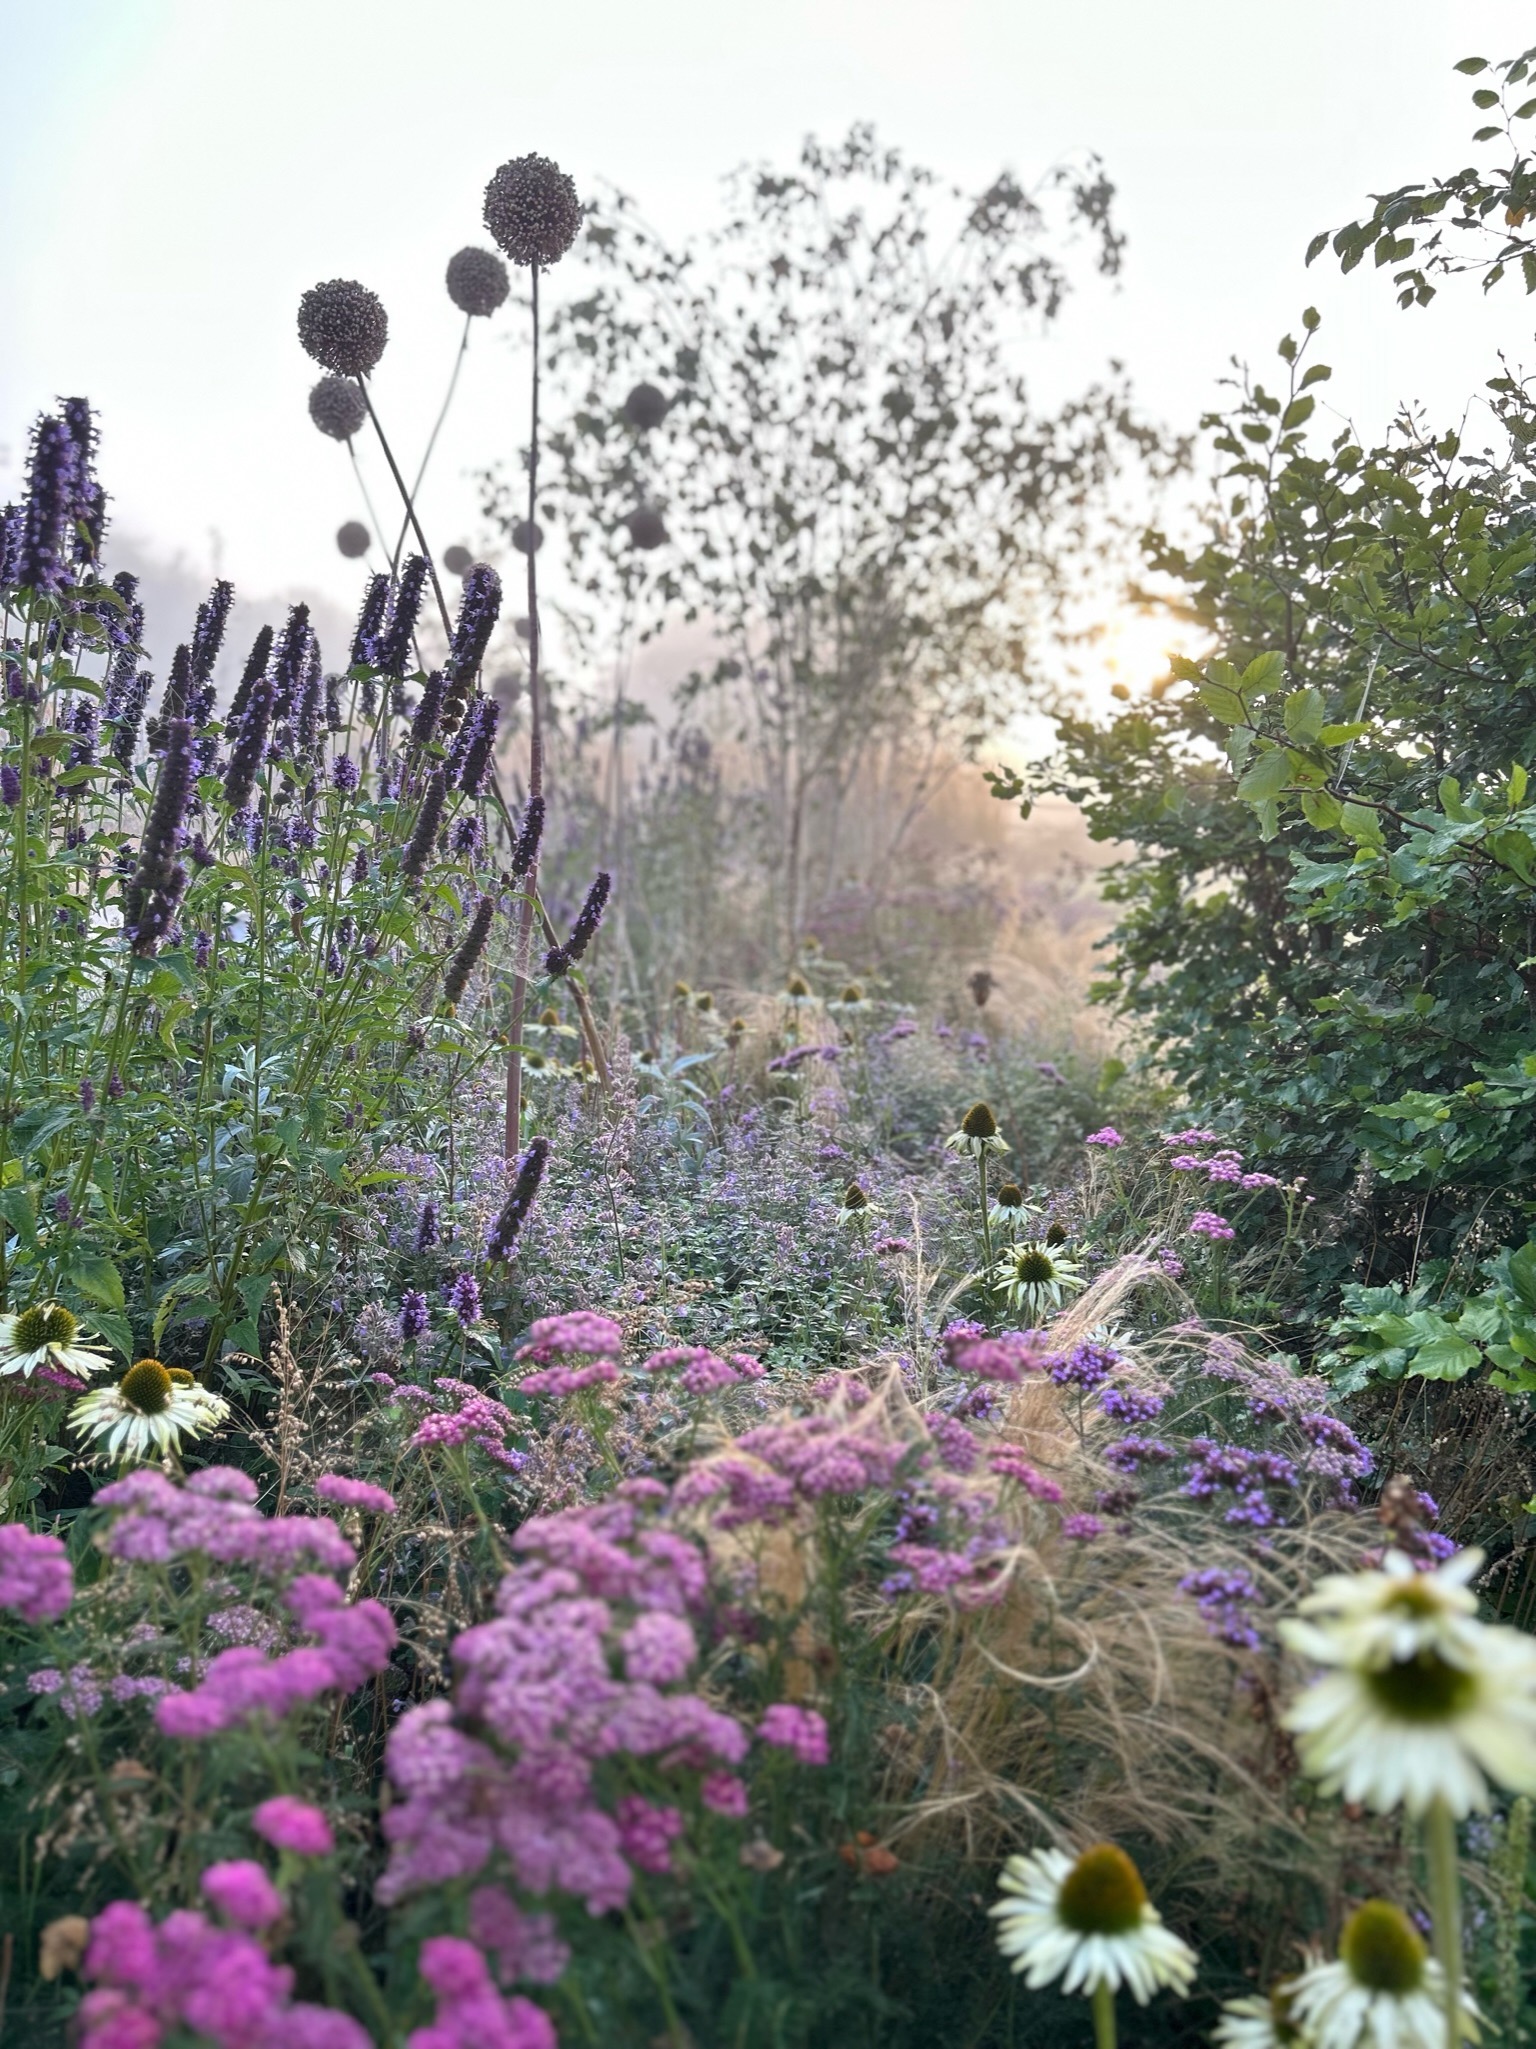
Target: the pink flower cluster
pixel 583 1333
pixel 524 1945
pixel 559 1381
pixel 293 1825
pixel 1108 1136
pixel 471 2013
pixel 215 1512
pixel 825 1454
pixel 966 1349
pixel 507 1768
pixel 1206 1224
pixel 704 1371
pixel 36 1581
pixel 1009 1463
pixel 355 1642
pixel 799 1730
pixel 462 1415
pixel 355 1493
pixel 217 1983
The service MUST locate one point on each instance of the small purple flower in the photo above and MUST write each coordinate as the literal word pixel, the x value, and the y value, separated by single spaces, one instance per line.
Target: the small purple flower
pixel 345 774
pixel 289 1824
pixel 1206 1224
pixel 10 785
pixel 464 1299
pixel 114 1087
pixel 426 1227
pixel 413 1315
pixel 1082 1529
pixel 87 1094
pixel 1130 1404
pixel 1086 1366
pixel 799 1730
pixel 242 1892
pixel 1107 1137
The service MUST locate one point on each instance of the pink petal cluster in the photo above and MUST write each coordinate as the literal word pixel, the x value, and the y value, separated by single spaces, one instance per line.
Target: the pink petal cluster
pixel 242 1892
pixel 215 1512
pixel 799 1730
pixel 583 1332
pixel 36 1581
pixel 216 1983
pixel 1108 1136
pixel 1206 1224
pixel 1009 1463
pixel 966 1349
pixel 471 2013
pixel 350 1493
pixel 524 1945
pixel 507 1769
pixel 704 1371
pixel 647 1833
pixel 472 1418
pixel 293 1825
pixel 559 1381
pixel 824 1454
pixel 355 1642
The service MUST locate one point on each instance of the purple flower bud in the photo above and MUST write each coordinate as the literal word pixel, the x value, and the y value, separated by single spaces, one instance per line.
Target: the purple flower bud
pixel 514 1213
pixel 255 668
pixel 467 957
pixel 426 1227
pixel 360 866
pixel 208 633
pixel 87 1094
pixel 10 784
pixel 290 657
pixel 370 623
pixel 464 1299
pixel 430 709
pixel 478 613
pixel 560 958
pixel 526 853
pixel 413 1315
pixel 482 739
pixel 414 860
pixel 250 745
pixel 114 1087
pixel 345 774
pixel 202 948
pixel 52 492
pixel 394 652
pixel 153 892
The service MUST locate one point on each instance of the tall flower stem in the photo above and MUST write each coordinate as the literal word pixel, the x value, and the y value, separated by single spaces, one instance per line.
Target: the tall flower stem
pixel 1445 1904
pixel 362 485
pixel 514 1116
pixel 410 509
pixel 458 364
pixel 986 1226
pixel 1103 2015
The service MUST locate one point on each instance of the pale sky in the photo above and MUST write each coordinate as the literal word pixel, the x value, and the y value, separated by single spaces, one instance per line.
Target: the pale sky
pixel 176 172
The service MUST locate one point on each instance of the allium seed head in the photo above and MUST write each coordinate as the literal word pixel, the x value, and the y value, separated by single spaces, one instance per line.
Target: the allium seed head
pixel 457 559
pixel 353 539
pixel 477 282
pixel 646 407
pixel 343 326
pixel 532 211
pixel 337 407
pixel 647 528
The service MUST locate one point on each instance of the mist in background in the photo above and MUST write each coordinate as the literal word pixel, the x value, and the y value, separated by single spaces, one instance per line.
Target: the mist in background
pixel 178 173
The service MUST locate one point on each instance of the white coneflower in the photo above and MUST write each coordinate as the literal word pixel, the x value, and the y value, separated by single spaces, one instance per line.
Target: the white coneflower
pixel 45 1336
pixel 1259 2021
pixel 149 1411
pixel 1032 1279
pixel 1089 1923
pixel 856 1207
pixel 1384 1991
pixel 978 1134
pixel 1424 1704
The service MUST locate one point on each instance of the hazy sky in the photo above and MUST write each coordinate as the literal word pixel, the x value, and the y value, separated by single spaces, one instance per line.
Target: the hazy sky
pixel 176 172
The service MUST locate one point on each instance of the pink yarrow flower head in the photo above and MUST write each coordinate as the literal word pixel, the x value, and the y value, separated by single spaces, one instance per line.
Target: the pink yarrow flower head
pixel 242 1892
pixel 724 1793
pixel 801 1731
pixel 1009 1463
pixel 355 1493
pixel 1206 1224
pixel 36 1581
pixel 293 1825
pixel 1108 1136
pixel 583 1332
pixel 471 2013
pixel 559 1381
pixel 703 1371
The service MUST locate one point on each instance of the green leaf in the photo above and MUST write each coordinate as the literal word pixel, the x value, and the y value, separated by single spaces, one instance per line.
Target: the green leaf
pixel 95 1277
pixel 1304 713
pixel 1297 413
pixel 1267 778
pixel 1221 697
pixel 1485 97
pixel 1319 373
pixel 1322 809
pixel 1264 672
pixel 1317 245
pixel 1471 66
pixel 1340 736
pixel 117 1331
pixel 35 1126
pixel 1361 823
pixel 19 1211
pixel 1451 803
pixel 1522 1274
pixel 1445 1358
pixel 252 1290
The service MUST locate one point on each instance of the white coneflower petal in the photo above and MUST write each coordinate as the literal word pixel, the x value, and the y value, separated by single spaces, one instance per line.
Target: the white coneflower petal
pixel 45 1335
pixel 1385 1990
pixel 149 1411
pixel 1088 1923
pixel 1259 2021
pixel 1423 1703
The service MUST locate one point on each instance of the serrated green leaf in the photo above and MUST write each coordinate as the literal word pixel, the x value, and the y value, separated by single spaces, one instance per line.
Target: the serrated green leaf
pixel 1304 713
pixel 1319 373
pixel 1267 778
pixel 1471 66
pixel 1264 672
pixel 1322 809
pixel 97 1279
pixel 1361 823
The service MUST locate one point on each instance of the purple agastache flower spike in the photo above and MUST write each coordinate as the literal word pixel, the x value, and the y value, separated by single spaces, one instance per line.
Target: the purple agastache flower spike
pixel 481 727
pixel 311 701
pixel 414 860
pixel 52 490
pixel 429 711
pixel 150 900
pixel 526 853
pixel 370 623
pixel 467 957
pixel 426 1227
pixel 560 959
pixel 413 1315
pixel 288 662
pixel 478 613
pixel 250 745
pixel 394 652
pixel 255 667
pixel 514 1213
pixel 464 1299
pixel 208 633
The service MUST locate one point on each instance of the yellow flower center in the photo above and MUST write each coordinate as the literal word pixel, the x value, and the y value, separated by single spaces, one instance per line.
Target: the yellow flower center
pixel 1423 1688
pixel 978 1122
pixel 798 986
pixel 48 1323
pixel 1415 1598
pixel 549 1016
pixel 1010 1196
pixel 1034 1267
pixel 854 1197
pixel 1383 1949
pixel 853 994
pixel 1102 1894
pixel 146 1386
pixel 180 1377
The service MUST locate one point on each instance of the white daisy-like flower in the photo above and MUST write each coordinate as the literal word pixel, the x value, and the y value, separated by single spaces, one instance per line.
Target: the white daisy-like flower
pixel 1088 1923
pixel 856 1206
pixel 149 1411
pixel 1424 1703
pixel 1384 1992
pixel 978 1134
pixel 1259 2021
pixel 1033 1278
pixel 45 1335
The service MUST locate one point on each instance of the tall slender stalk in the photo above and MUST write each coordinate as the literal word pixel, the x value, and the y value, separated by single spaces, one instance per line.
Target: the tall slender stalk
pixel 410 509
pixel 1103 2015
pixel 405 525
pixel 1445 1904
pixel 514 1116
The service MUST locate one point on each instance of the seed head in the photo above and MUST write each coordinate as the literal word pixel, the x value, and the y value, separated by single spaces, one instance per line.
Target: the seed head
pixel 1010 1196
pixel 854 1197
pixel 527 537
pixel 1102 1894
pixel 647 528
pixel 532 211
pixel 46 1323
pixel 343 326
pixel 457 559
pixel 646 407
pixel 146 1386
pixel 353 539
pixel 337 407
pixel 477 282
pixel 798 988
pixel 978 1122
pixel 1383 1949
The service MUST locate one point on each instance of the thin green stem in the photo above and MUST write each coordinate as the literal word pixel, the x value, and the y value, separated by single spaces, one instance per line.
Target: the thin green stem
pixel 1103 2015
pixel 986 1226
pixel 1445 1905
